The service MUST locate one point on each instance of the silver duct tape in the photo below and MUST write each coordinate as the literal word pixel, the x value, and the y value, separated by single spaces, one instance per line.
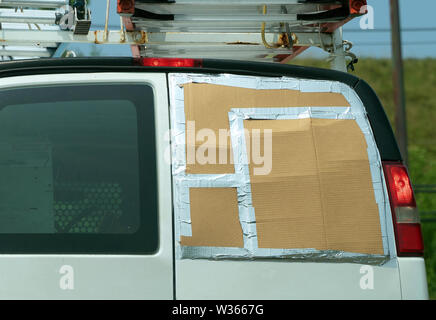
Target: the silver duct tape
pixel 182 217
pixel 356 111
pixel 182 207
pixel 343 113
pixel 247 216
pixel 177 118
pixel 292 255
pixel 291 113
pixel 378 179
pixel 182 182
pixel 248 224
pixel 209 180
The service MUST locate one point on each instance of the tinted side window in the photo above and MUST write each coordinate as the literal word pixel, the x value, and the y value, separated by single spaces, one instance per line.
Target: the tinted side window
pixel 78 168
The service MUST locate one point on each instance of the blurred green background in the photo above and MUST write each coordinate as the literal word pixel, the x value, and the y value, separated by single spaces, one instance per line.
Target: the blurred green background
pixel 420 86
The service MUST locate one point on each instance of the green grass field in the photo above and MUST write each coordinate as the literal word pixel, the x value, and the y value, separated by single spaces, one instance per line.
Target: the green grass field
pixel 420 85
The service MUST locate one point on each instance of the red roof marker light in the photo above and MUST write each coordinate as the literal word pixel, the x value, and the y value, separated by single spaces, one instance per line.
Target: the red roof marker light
pixel 358 7
pixel 126 7
pixel 170 62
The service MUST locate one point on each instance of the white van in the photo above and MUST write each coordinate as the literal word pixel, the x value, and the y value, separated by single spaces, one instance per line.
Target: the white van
pixel 160 178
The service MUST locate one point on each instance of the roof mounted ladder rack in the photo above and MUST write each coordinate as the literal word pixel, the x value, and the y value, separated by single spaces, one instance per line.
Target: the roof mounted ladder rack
pixel 274 30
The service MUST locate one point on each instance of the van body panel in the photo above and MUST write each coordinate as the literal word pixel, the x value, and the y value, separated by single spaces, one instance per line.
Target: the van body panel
pixel 100 276
pixel 285 280
pixel 247 277
pixel 413 278
pixel 78 277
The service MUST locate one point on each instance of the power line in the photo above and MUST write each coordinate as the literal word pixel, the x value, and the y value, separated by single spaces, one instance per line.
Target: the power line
pixel 410 43
pixel 429 29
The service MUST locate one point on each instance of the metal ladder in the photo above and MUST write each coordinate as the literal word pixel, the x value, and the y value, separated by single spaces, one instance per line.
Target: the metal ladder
pixel 20 16
pixel 20 20
pixel 274 30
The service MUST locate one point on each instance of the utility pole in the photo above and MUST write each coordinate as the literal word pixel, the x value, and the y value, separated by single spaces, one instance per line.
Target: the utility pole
pixel 398 81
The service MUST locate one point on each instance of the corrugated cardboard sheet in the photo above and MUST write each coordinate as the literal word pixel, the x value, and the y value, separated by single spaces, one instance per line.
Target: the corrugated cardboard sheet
pixel 208 105
pixel 215 222
pixel 319 193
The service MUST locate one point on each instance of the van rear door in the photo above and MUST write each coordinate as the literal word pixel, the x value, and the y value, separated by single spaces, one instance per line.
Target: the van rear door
pixel 85 211
pixel 279 191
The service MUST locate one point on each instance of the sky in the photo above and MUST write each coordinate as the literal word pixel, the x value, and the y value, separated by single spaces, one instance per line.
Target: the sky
pixel 376 42
pixel 373 43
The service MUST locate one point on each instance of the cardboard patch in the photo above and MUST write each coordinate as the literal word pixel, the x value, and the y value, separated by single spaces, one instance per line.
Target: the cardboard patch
pixel 208 105
pixel 324 194
pixel 215 219
pixel 319 193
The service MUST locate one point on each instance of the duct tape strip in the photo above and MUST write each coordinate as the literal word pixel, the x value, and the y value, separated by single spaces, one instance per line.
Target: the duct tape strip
pixel 182 202
pixel 238 115
pixel 182 182
pixel 245 203
pixel 294 255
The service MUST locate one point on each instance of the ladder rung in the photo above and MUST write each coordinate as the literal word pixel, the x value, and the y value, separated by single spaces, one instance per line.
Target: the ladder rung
pixel 243 52
pixel 235 18
pixel 33 3
pixel 212 53
pixel 58 36
pixel 28 16
pixel 237 2
pixel 30 44
pixel 217 26
pixel 225 9
pixel 25 52
pixel 229 40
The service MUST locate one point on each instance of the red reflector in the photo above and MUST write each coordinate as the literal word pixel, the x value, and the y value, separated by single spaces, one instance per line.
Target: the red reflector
pixel 409 238
pixel 170 62
pixel 404 213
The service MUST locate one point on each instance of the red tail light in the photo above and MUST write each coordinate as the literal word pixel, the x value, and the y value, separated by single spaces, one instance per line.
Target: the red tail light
pixel 170 62
pixel 404 212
